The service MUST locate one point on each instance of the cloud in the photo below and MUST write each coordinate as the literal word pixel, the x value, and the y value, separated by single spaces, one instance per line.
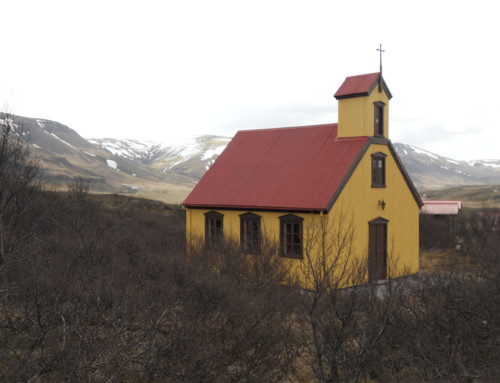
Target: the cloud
pixel 165 71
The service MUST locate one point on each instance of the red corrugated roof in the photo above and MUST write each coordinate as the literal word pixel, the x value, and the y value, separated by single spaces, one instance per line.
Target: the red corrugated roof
pixel 296 168
pixel 355 85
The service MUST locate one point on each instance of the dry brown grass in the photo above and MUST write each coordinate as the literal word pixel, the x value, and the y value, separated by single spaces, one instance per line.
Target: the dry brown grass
pixel 446 260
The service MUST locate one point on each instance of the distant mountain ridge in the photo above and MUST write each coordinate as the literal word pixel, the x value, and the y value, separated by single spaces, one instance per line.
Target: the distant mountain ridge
pixel 191 158
pixel 63 155
pixel 431 171
pixel 169 172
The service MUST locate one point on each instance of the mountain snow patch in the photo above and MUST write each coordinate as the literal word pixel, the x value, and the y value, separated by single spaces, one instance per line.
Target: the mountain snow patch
pixel 491 165
pixel 112 164
pixel 9 121
pixel 212 152
pixel 64 142
pixel 131 149
pixel 424 152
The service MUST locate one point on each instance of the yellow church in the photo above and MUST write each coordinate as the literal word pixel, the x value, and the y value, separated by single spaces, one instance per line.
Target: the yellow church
pixel 341 184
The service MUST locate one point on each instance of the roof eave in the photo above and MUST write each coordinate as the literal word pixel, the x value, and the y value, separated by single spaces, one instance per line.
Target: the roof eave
pixel 364 94
pixel 352 95
pixel 348 175
pixel 384 87
pixel 256 208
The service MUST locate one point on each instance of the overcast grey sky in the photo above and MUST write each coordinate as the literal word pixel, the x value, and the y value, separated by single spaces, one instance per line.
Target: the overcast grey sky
pixel 166 70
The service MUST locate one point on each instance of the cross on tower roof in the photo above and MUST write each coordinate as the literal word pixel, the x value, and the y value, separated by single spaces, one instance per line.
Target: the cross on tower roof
pixel 381 51
pixel 380 76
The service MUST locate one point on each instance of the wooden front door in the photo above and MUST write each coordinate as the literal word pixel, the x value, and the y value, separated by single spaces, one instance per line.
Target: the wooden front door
pixel 377 254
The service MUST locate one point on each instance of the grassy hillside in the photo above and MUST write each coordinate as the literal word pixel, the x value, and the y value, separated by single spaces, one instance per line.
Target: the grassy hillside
pixel 471 196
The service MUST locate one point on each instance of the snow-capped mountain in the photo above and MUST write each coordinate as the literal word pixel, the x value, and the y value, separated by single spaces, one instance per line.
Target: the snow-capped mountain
pixel 142 151
pixel 495 164
pixel 191 158
pixel 169 172
pixel 431 171
pixel 194 157
pixel 64 155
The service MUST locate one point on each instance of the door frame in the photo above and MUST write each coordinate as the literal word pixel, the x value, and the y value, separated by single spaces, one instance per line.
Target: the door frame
pixel 377 265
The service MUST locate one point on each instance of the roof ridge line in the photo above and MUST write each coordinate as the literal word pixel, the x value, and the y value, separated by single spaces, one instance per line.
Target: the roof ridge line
pixel 289 127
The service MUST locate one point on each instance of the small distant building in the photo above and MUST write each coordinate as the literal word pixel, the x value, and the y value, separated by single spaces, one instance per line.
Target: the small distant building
pixel 438 223
pixel 441 207
pixel 276 181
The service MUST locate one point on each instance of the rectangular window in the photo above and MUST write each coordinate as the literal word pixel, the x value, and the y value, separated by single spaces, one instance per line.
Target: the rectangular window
pixel 250 233
pixel 291 236
pixel 378 170
pixel 379 119
pixel 214 231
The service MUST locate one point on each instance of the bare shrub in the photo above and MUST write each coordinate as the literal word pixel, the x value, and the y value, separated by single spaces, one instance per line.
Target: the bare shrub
pixel 241 311
pixel 87 277
pixel 438 232
pixel 19 192
pixel 340 327
pixel 107 294
pixel 448 329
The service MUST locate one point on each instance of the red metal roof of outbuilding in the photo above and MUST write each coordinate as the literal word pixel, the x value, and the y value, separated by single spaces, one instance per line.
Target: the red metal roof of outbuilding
pixel 297 168
pixel 441 207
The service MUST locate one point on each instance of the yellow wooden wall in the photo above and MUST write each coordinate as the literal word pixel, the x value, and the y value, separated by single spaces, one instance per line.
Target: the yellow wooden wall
pixel 357 115
pixel 357 200
pixel 401 210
